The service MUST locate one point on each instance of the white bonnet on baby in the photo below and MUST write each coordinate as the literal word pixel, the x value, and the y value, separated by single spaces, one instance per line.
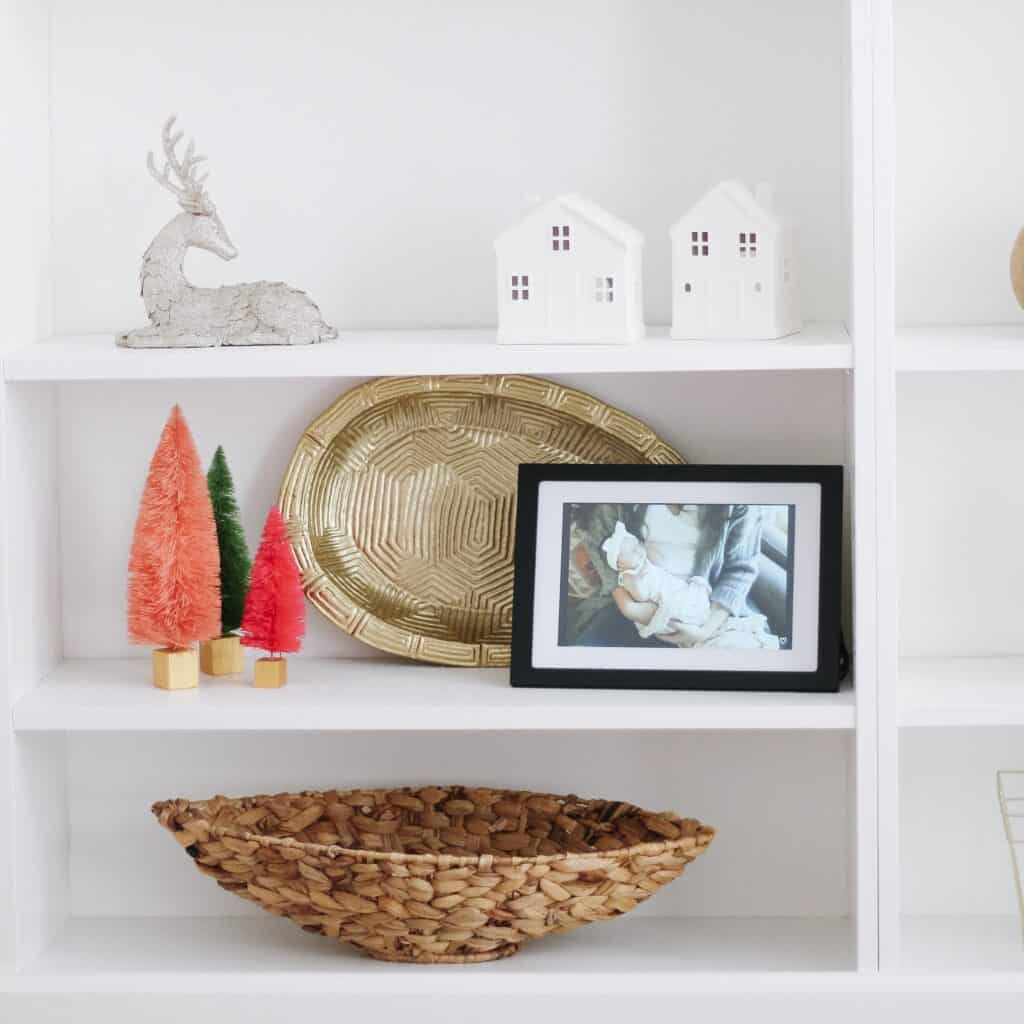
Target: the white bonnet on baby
pixel 613 545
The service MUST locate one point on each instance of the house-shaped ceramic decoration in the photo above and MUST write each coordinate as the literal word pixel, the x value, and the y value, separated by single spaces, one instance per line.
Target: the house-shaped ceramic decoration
pixel 733 267
pixel 569 273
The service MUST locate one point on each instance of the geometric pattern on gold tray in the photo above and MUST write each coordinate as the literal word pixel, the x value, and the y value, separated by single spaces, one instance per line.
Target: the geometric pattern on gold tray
pixel 400 503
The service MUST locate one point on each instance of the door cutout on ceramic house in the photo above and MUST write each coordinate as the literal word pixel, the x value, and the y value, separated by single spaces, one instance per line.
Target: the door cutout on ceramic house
pixel 733 267
pixel 569 273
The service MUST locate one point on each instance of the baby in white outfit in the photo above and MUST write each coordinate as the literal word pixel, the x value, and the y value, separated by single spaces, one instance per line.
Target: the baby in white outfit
pixel 650 596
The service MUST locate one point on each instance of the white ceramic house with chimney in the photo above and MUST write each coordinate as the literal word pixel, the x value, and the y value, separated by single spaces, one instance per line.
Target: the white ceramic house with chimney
pixel 733 267
pixel 569 273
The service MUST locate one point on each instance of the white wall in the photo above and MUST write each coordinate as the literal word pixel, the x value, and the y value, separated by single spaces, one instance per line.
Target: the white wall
pixel 959 496
pixel 25 284
pixel 960 154
pixel 369 152
pixel 107 435
pixel 954 855
pixel 771 857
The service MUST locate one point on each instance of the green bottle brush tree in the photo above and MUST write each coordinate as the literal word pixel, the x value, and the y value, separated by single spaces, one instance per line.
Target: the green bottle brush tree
pixel 223 656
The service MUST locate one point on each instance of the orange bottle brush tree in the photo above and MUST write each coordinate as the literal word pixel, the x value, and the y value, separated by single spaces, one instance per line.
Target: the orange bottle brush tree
pixel 275 609
pixel 174 568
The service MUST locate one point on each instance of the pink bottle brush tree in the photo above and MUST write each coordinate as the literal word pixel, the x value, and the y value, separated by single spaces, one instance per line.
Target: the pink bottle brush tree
pixel 275 608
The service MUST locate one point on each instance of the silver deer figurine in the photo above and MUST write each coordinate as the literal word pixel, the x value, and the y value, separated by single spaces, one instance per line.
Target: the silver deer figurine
pixel 183 316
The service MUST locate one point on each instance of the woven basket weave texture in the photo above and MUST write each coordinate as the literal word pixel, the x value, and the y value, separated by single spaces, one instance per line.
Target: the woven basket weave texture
pixel 437 874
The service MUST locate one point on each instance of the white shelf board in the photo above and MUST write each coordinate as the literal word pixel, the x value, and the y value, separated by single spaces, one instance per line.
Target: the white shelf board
pixel 961 691
pixel 963 945
pixel 379 694
pixel 387 353
pixel 269 955
pixel 957 347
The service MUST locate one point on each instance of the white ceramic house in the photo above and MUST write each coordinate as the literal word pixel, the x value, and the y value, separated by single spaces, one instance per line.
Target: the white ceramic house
pixel 569 272
pixel 733 267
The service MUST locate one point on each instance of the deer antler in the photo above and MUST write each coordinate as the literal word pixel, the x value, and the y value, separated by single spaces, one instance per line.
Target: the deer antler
pixel 191 193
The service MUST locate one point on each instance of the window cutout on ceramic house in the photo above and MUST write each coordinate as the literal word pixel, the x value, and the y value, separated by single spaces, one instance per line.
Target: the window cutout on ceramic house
pixel 562 299
pixel 749 289
pixel 560 238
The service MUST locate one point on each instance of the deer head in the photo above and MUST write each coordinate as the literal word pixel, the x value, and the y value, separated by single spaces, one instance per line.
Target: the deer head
pixel 201 222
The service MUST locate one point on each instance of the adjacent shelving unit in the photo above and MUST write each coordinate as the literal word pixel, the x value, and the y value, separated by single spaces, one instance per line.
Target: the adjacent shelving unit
pixel 990 946
pixel 961 691
pixel 959 348
pixel 951 340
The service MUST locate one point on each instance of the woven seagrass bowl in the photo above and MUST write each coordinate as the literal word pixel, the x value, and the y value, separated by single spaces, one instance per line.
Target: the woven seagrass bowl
pixel 436 874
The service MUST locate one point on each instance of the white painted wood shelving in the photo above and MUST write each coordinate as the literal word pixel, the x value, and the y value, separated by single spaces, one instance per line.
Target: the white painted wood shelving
pixel 822 346
pixel 370 153
pixel 952 348
pixel 378 694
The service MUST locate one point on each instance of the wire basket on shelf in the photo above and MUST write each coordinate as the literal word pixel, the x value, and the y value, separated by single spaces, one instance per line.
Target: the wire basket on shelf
pixel 1010 785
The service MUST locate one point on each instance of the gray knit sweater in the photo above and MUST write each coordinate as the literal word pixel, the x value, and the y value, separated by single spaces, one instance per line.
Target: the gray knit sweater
pixel 728 553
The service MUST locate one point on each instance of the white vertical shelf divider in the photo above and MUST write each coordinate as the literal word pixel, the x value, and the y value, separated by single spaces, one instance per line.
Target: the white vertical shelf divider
pixel 7 837
pixel 863 34
pixel 886 604
pixel 26 303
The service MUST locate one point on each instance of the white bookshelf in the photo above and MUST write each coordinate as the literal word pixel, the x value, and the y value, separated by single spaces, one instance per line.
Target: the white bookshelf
pixel 376 353
pixel 252 956
pixel 101 906
pixel 370 157
pixel 961 691
pixel 951 345
pixel 992 946
pixel 379 694
pixel 959 348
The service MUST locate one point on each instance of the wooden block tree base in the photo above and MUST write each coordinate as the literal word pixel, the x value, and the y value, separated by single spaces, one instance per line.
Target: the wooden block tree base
pixel 175 669
pixel 221 656
pixel 271 673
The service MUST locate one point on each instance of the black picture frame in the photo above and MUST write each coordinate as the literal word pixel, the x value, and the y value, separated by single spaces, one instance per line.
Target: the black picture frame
pixel 824 679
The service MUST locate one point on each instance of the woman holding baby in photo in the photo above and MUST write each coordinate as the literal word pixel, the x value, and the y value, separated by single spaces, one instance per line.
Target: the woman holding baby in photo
pixel 684 576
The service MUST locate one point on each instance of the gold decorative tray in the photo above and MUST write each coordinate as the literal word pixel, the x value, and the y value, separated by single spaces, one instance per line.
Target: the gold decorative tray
pixel 400 503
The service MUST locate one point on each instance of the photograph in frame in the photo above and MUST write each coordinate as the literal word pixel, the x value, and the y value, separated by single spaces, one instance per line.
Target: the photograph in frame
pixel 696 576
pixel 678 577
